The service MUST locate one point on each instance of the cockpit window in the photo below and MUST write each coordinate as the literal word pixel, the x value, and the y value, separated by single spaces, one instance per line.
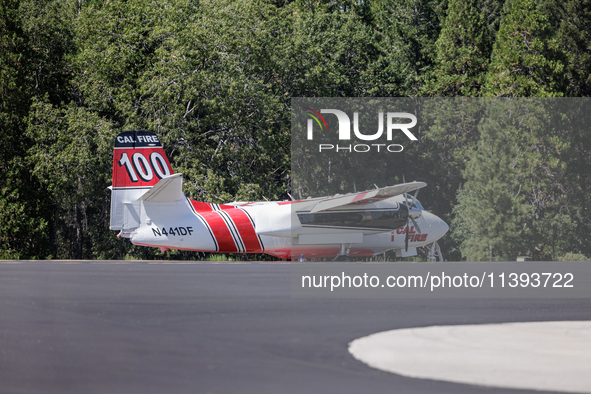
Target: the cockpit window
pixel 416 204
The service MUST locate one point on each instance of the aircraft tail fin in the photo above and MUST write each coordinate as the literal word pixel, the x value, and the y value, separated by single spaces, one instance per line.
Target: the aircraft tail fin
pixel 139 163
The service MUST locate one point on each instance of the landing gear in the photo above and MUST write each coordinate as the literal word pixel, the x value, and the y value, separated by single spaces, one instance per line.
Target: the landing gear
pixel 434 252
pixel 343 253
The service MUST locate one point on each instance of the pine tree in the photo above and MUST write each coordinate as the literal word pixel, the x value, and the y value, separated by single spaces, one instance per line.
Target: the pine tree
pixel 406 33
pixel 462 52
pixel 491 11
pixel 574 38
pixel 525 60
pixel 490 216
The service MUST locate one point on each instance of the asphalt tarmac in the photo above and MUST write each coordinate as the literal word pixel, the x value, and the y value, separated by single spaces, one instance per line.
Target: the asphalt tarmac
pixel 149 327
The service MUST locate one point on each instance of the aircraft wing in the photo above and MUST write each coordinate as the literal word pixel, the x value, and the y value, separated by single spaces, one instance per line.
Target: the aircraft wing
pixel 367 197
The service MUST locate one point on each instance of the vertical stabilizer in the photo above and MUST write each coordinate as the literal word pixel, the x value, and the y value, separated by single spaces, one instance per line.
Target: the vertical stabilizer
pixel 139 163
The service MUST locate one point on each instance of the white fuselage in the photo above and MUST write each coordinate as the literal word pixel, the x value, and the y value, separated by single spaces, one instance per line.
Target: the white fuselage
pixel 274 228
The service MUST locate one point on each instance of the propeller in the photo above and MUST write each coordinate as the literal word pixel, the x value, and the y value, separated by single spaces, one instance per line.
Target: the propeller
pixel 410 218
pixel 407 217
pixel 406 238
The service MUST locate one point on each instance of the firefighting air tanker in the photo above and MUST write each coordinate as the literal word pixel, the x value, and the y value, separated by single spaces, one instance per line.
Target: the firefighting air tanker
pixel 148 207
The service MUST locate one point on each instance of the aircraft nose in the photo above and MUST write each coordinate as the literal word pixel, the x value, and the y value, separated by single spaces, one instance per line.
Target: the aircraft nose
pixel 436 227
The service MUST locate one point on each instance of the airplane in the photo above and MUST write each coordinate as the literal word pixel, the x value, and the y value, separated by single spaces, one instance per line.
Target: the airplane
pixel 148 206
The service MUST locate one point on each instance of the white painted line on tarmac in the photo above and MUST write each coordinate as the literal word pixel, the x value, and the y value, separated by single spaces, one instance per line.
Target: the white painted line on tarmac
pixel 552 356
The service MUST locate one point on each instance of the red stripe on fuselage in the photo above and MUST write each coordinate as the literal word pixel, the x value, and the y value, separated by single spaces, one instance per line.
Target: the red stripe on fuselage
pixel 246 230
pixel 220 232
pixel 201 206
pixel 206 207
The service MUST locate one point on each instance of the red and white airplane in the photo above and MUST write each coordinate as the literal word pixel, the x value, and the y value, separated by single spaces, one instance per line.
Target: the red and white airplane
pixel 148 207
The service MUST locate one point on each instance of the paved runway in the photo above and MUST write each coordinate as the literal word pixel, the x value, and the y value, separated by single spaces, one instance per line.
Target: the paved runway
pixel 135 327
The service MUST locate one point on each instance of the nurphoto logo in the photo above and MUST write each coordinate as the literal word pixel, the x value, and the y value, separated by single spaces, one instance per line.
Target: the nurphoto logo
pixel 344 130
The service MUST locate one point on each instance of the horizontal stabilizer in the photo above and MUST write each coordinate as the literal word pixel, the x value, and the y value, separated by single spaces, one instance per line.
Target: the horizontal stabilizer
pixel 367 197
pixel 168 189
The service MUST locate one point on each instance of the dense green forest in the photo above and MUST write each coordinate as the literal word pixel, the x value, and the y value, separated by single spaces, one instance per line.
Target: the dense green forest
pixel 214 79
